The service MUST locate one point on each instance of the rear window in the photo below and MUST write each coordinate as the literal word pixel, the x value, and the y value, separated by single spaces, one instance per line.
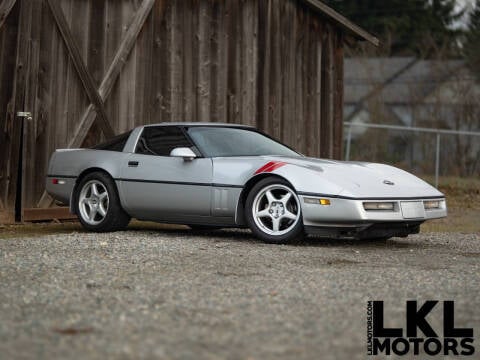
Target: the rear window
pixel 117 143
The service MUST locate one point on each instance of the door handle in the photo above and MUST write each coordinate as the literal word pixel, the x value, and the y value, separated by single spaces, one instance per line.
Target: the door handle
pixel 133 163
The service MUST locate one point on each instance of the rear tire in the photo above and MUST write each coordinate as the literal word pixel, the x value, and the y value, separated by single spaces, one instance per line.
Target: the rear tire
pixel 97 204
pixel 273 211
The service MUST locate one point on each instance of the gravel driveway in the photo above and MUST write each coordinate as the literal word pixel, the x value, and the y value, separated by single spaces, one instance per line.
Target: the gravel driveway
pixel 175 294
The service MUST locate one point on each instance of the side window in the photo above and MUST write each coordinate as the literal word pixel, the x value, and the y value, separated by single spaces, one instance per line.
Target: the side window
pixel 161 140
pixel 116 143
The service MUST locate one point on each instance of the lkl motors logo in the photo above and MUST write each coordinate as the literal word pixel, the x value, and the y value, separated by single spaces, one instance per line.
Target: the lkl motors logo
pixel 419 336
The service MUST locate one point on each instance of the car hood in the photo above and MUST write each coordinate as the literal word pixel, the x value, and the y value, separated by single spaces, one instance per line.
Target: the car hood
pixel 357 179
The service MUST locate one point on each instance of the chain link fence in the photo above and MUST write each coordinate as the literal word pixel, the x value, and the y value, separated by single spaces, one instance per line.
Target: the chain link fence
pixel 424 151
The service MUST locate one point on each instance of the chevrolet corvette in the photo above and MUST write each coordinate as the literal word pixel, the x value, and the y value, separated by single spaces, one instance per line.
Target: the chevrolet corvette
pixel 212 176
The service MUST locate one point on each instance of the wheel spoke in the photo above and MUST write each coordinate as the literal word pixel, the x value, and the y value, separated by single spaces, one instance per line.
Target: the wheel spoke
pixel 285 198
pixel 289 215
pixel 103 196
pixel 270 197
pixel 93 213
pixel 263 213
pixel 102 211
pixel 94 189
pixel 276 224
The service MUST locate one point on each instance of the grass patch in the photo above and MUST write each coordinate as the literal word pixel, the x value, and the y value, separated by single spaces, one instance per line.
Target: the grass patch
pixel 38 229
pixel 29 230
pixel 463 202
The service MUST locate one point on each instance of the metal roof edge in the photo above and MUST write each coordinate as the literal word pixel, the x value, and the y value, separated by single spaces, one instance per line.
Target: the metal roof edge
pixel 343 21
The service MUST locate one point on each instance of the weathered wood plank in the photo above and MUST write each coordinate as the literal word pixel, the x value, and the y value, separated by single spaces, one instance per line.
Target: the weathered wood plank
pixel 113 33
pixel 291 120
pixel 95 58
pixel 5 7
pixel 249 62
pixel 215 56
pixel 8 45
pixel 175 65
pixel 327 94
pixel 162 54
pixel 189 88
pixel 276 72
pixel 78 19
pixel 300 93
pixel 127 79
pixel 83 73
pixel 338 97
pixel 317 86
pixel 203 94
pixel 233 65
pixel 144 71
pixel 285 61
pixel 263 54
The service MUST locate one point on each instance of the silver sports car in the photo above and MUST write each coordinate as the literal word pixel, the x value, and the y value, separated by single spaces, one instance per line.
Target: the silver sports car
pixel 222 175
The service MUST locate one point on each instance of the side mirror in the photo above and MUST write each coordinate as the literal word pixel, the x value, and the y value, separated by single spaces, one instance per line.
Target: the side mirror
pixel 184 152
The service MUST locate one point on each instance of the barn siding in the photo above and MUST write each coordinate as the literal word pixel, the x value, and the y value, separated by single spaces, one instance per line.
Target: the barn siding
pixel 273 64
pixel 8 49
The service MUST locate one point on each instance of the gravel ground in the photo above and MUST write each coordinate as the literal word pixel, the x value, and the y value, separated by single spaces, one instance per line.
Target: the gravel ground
pixel 174 294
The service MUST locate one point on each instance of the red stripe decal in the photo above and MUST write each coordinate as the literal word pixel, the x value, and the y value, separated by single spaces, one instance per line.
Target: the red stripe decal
pixel 277 165
pixel 270 166
pixel 260 170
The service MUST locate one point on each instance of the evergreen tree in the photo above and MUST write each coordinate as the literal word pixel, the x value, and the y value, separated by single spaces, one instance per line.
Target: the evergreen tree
pixel 409 27
pixel 472 43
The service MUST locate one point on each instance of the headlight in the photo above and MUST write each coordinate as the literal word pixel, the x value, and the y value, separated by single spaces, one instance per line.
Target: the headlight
pixel 387 206
pixel 431 204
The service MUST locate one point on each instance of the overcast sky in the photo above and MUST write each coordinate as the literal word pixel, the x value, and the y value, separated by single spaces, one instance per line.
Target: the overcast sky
pixel 462 4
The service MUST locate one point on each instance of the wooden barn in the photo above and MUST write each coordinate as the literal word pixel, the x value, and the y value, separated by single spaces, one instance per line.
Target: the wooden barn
pixel 75 71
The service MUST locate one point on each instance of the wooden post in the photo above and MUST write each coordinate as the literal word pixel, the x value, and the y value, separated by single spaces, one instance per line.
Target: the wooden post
pixel 18 102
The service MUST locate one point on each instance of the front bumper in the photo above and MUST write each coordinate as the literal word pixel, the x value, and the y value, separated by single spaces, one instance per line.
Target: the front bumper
pixel 347 218
pixel 365 231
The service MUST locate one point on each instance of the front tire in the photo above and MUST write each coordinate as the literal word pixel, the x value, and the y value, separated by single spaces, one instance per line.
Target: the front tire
pixel 97 204
pixel 273 211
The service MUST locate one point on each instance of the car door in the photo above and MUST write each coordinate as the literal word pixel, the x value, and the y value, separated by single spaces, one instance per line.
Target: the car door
pixel 157 186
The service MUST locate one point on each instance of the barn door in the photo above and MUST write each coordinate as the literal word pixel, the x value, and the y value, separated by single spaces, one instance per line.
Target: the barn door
pixel 69 75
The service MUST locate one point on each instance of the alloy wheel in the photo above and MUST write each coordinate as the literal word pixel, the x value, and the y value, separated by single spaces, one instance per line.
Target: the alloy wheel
pixel 276 209
pixel 93 202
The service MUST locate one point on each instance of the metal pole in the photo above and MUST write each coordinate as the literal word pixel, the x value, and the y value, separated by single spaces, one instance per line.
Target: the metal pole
pixel 437 160
pixel 349 141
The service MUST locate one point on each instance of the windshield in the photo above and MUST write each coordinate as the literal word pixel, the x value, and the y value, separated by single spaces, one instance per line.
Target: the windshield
pixel 225 141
